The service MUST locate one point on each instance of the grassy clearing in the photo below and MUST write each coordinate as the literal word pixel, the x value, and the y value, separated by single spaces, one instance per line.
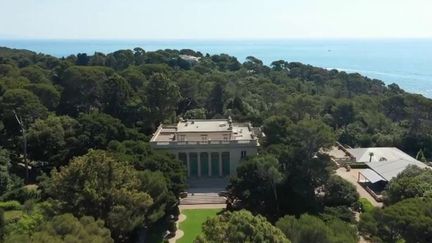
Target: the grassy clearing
pixel 12 215
pixel 192 226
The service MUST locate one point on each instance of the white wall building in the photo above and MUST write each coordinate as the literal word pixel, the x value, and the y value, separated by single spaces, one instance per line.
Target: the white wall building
pixel 209 148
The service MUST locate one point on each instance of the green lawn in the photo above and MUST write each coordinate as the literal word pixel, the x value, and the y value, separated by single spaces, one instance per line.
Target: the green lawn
pixel 12 215
pixel 194 220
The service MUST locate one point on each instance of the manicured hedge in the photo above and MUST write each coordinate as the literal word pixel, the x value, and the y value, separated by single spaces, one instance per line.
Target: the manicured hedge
pixel 21 195
pixel 10 205
pixel 358 165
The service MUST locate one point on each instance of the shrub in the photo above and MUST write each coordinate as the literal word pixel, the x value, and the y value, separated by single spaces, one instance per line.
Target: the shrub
pixel 28 206
pixel 240 226
pixel 172 227
pixel 341 212
pixel 2 223
pixel 358 165
pixel 10 205
pixel 366 206
pixel 21 195
pixel 61 228
pixel 12 216
pixel 339 192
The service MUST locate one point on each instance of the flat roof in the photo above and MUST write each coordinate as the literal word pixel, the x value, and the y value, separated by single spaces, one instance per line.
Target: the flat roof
pixel 241 132
pixel 213 128
pixel 203 126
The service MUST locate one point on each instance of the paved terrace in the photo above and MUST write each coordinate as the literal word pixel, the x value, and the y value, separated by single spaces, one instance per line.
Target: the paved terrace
pixel 352 176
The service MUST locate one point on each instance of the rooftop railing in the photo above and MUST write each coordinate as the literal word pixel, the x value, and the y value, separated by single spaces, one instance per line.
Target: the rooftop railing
pixel 209 142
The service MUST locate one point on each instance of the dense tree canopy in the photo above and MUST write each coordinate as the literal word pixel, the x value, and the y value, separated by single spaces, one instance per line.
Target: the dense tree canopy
pixel 274 186
pixel 255 185
pixel 412 182
pixel 240 226
pixel 338 192
pixel 113 102
pixel 142 88
pixel 25 104
pixel 97 185
pixel 83 90
pixel 142 157
pixel 54 139
pixel 163 96
pixel 4 171
pixel 98 129
pixel 66 228
pixel 309 228
pixel 409 220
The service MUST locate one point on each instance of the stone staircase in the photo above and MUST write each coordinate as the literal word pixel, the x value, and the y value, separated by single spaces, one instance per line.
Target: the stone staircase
pixel 202 198
pixel 205 191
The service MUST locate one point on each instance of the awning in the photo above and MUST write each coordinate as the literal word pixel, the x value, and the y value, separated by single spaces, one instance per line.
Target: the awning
pixel 371 175
pixel 390 169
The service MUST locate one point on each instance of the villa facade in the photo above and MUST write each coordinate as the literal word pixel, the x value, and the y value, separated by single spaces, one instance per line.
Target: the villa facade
pixel 208 148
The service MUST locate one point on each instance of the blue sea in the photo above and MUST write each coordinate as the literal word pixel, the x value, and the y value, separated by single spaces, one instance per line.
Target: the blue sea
pixel 407 62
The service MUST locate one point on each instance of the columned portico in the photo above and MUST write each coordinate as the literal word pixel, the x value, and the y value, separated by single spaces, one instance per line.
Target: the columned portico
pixel 206 164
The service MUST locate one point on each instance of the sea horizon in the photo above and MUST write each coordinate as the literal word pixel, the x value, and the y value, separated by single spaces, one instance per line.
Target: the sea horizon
pixel 404 61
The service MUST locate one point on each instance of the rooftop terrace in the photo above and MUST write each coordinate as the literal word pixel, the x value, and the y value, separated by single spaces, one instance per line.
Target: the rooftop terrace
pixel 214 131
pixel 204 126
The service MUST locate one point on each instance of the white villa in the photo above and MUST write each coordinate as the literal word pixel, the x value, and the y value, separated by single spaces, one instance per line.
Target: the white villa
pixel 209 148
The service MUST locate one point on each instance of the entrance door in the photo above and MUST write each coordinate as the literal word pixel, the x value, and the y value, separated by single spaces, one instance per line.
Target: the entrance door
pixel 204 159
pixel 225 163
pixel 215 164
pixel 193 164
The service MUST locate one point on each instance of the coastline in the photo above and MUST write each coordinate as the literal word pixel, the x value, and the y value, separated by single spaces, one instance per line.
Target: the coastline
pixel 401 61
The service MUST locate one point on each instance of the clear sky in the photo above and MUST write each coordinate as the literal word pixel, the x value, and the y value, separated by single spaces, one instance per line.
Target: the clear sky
pixel 214 19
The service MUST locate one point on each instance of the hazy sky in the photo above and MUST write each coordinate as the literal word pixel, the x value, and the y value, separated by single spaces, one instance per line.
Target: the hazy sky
pixel 221 19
